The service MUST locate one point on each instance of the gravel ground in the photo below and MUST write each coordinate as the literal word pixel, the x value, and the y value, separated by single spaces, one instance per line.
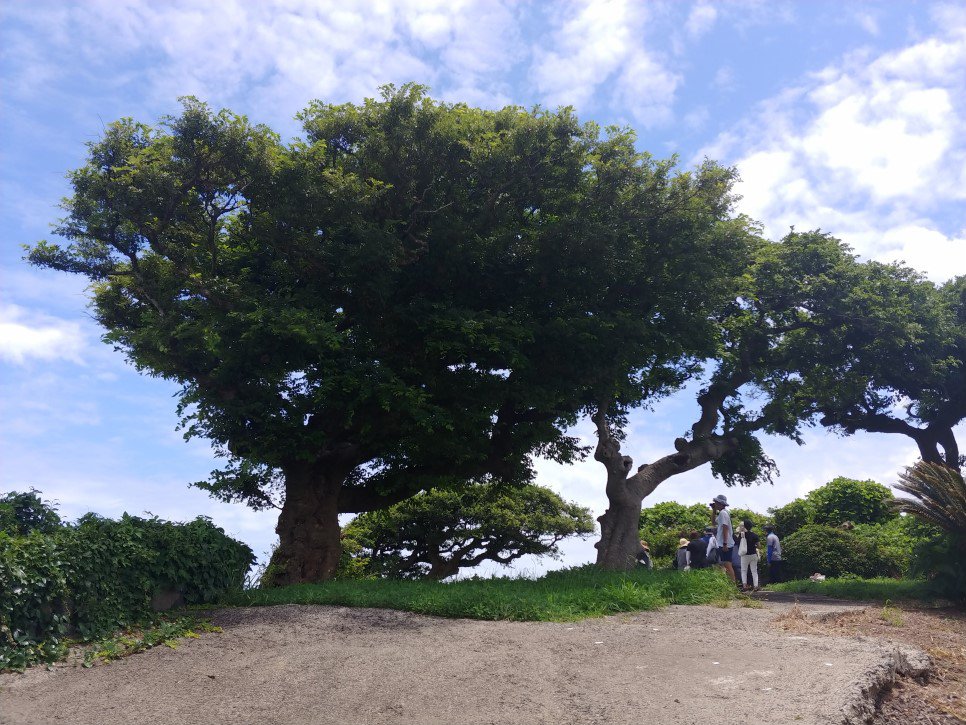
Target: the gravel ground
pixel 311 664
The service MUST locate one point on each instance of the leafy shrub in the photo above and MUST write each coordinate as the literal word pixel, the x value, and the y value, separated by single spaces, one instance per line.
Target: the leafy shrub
pixel 33 593
pixel 99 574
pixel 792 516
pixel 846 499
pixel 835 552
pixel 23 512
pixel 939 503
pixel 758 520
pixel 838 501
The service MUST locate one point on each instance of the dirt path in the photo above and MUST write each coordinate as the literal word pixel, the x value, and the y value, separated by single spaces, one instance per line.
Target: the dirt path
pixel 308 664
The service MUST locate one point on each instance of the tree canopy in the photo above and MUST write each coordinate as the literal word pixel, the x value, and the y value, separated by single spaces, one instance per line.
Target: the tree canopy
pixel 437 533
pixel 415 295
pixel 898 365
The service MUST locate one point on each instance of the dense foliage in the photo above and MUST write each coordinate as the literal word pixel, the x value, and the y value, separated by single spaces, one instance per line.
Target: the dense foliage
pixel 833 552
pixel 417 295
pixel 24 511
pixel 87 579
pixel 663 524
pixel 435 534
pixel 938 499
pixel 840 501
pixel 901 366
pixel 845 499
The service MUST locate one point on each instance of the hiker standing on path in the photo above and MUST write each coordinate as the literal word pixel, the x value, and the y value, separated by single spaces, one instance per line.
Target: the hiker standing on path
pixel 722 519
pixel 748 549
pixel 774 555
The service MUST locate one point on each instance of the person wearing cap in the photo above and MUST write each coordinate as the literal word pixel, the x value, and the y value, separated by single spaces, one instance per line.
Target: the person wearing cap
pixel 683 561
pixel 724 533
pixel 774 554
pixel 644 555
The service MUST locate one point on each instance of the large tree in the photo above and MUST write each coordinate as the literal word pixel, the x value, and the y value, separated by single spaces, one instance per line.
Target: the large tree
pixel 436 533
pixel 772 356
pixel 416 295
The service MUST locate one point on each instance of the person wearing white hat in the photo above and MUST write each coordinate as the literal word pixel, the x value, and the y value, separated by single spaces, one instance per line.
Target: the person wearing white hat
pixel 683 561
pixel 725 533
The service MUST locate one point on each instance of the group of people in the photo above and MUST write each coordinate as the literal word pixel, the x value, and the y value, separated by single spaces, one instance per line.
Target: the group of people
pixel 724 545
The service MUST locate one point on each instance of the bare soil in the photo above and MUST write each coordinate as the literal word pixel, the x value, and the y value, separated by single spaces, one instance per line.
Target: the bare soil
pixel 939 698
pixel 311 664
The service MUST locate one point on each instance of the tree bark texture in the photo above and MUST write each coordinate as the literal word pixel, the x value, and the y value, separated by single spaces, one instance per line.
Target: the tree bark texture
pixel 620 523
pixel 310 543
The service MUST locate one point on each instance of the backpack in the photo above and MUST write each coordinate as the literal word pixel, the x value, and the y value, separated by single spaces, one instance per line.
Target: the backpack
pixel 712 558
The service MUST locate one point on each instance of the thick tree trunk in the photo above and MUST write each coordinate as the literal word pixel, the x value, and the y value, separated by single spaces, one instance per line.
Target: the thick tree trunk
pixel 620 523
pixel 619 537
pixel 441 568
pixel 310 543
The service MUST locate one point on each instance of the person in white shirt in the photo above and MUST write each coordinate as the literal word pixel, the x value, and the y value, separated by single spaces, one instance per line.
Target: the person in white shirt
pixel 725 533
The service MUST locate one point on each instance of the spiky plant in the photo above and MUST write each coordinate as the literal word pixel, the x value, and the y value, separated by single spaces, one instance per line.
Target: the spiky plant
pixel 939 496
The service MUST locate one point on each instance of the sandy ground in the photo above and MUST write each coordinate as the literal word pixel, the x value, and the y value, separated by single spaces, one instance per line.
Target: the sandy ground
pixel 310 664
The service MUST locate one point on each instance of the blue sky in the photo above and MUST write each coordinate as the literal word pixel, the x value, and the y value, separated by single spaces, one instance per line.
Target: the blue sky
pixel 846 116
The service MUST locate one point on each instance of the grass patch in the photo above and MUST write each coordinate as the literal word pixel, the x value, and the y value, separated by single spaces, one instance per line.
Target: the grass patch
pixel 884 590
pixel 560 596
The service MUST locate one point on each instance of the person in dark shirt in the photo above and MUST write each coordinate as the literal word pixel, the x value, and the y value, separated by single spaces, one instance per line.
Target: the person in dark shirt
pixel 698 549
pixel 748 549
pixel 644 555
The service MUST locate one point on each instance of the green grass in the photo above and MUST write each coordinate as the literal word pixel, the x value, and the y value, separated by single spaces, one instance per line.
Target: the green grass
pixel 868 589
pixel 560 596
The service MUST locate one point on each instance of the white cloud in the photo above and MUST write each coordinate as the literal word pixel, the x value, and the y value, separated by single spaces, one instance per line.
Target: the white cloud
pixel 28 335
pixel 701 19
pixel 601 44
pixel 272 56
pixel 872 149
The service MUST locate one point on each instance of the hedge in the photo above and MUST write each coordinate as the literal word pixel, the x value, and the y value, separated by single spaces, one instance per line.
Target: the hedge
pixel 98 575
pixel 836 552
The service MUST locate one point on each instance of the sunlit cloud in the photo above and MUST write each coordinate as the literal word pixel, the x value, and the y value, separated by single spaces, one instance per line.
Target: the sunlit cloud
pixel 872 149
pixel 26 336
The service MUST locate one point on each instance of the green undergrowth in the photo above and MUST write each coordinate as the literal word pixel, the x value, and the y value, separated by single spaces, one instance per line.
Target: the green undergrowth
pixel 880 589
pixel 559 596
pixel 163 631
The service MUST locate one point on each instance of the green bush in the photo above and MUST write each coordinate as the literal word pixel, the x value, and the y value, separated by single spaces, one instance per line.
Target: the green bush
pixel 838 501
pixel 835 552
pixel 33 593
pixel 23 512
pixel 847 499
pixel 98 575
pixel 792 516
pixel 940 557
